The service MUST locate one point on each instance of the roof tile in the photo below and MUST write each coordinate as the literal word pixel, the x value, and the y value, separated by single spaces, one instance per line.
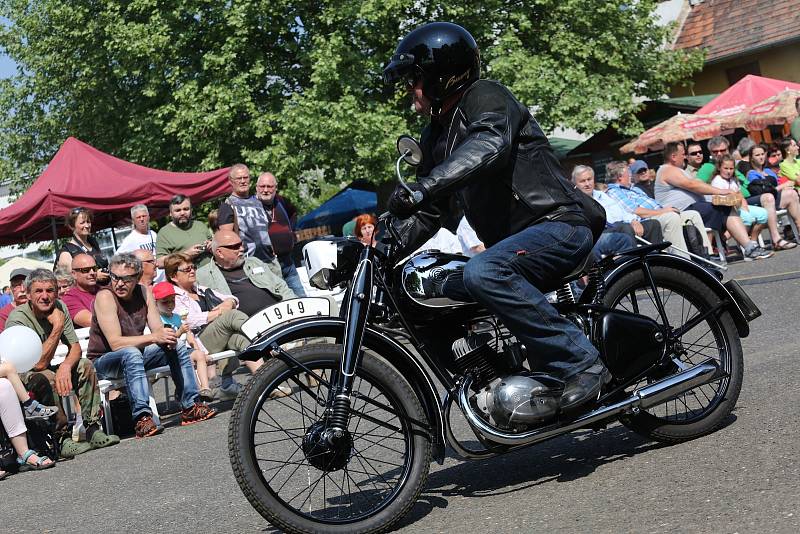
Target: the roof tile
pixel 723 27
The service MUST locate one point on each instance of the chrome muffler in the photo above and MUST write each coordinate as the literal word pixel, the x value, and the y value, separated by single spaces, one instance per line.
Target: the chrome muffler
pixel 643 398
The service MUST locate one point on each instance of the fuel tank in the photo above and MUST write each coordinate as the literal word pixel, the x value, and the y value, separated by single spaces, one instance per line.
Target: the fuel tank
pixel 431 285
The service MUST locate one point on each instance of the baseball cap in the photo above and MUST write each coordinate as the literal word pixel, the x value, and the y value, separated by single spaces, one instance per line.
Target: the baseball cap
pixel 638 166
pixel 163 290
pixel 19 272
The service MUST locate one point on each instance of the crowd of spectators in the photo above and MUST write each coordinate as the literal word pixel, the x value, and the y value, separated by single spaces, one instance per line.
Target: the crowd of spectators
pixel 737 195
pixel 166 298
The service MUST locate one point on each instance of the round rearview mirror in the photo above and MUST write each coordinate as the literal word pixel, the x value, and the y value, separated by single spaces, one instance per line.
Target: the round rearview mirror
pixel 409 149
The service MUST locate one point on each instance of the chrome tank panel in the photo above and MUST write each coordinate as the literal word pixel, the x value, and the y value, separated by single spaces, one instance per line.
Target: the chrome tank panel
pixel 423 277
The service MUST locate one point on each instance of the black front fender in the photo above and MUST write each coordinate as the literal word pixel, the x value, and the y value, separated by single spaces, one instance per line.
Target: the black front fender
pixel 629 264
pixel 388 348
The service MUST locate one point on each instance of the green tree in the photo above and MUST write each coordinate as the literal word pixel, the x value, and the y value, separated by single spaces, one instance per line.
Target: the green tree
pixel 294 87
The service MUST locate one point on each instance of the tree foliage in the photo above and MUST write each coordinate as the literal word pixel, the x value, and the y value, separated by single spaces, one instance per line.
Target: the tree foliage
pixel 294 86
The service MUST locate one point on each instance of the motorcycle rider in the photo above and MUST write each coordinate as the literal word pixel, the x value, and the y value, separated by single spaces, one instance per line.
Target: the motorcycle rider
pixel 484 146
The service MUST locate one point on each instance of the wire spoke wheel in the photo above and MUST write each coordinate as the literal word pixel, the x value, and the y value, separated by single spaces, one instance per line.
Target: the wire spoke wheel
pixel 301 473
pixel 695 339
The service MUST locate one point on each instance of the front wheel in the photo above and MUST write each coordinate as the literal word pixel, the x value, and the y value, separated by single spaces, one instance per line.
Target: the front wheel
pixel 363 481
pixel 683 297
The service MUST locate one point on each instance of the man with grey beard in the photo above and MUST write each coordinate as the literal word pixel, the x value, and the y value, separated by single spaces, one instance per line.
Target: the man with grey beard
pixel 256 284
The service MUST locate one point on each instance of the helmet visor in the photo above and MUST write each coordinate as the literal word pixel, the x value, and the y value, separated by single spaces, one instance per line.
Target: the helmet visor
pixel 401 68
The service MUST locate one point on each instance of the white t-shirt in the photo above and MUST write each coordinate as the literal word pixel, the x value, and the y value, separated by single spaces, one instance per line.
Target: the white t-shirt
pixel 467 237
pixel 444 241
pixel 135 240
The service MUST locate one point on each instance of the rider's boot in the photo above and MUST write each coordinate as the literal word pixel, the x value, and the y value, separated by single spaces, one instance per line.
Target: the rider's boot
pixel 584 387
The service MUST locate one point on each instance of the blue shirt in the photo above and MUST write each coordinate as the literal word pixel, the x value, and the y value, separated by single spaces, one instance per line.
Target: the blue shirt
pixel 615 212
pixel 5 300
pixel 632 199
pixel 755 175
pixel 173 320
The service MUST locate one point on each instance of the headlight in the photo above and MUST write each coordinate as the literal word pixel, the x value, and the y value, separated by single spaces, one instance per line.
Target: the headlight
pixel 320 258
pixel 331 261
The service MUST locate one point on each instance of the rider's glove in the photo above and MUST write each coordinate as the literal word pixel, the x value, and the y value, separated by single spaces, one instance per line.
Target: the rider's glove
pixel 403 205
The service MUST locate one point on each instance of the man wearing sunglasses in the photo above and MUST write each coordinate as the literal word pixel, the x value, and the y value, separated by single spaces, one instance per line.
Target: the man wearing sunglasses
pixel 694 158
pixel 80 297
pixel 255 283
pixel 119 348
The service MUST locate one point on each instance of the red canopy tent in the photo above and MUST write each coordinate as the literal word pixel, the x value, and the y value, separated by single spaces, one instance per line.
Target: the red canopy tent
pixel 747 92
pixel 81 175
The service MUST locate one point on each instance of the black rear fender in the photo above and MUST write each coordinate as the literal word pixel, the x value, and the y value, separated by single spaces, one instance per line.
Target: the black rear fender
pixel 629 264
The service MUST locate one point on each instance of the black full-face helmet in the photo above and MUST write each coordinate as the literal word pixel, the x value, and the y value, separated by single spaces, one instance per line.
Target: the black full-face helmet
pixel 443 55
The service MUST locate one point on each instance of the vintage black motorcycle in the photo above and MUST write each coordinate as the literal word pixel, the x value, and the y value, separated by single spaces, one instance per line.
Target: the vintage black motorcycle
pixel 349 449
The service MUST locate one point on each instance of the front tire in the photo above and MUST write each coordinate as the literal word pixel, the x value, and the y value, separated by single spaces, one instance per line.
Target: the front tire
pixel 367 488
pixel 704 409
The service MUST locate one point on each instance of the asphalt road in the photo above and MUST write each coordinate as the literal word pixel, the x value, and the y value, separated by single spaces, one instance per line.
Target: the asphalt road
pixel 743 478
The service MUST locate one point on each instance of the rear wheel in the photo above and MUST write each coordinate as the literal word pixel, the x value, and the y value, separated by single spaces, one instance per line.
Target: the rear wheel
pixel 299 480
pixel 703 409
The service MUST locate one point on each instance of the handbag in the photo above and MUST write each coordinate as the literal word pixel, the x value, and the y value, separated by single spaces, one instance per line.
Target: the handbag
pixel 762 186
pixel 210 298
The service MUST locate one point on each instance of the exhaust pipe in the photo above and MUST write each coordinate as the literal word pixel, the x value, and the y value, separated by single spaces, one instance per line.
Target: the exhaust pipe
pixel 643 398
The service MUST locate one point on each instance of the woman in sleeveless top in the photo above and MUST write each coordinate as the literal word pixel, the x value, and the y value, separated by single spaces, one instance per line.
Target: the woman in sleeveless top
pixel 79 221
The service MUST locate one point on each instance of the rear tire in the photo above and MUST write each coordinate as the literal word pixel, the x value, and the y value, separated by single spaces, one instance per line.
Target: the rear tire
pixel 704 409
pixel 385 385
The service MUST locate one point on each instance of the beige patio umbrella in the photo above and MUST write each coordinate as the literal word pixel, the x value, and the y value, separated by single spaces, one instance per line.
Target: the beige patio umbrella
pixel 677 128
pixel 778 109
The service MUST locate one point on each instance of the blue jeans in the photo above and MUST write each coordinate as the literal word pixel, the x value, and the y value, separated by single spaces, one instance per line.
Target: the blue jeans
pixel 610 243
pixel 505 277
pixel 132 363
pixel 290 276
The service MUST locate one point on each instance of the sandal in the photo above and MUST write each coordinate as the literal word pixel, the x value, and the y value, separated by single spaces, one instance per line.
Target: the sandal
pixel 37 410
pixel 784 245
pixel 3 474
pixel 38 465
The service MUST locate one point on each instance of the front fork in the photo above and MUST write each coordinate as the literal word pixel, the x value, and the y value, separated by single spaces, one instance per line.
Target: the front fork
pixel 356 313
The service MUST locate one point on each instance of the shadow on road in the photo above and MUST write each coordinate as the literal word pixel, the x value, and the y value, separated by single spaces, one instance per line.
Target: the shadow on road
pixel 568 458
pixel 565 459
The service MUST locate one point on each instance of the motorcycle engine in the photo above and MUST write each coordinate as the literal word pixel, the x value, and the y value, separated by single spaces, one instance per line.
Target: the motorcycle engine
pixel 506 393
pixel 523 400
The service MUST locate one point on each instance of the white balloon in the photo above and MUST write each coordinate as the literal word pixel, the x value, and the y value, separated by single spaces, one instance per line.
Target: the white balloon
pixel 21 346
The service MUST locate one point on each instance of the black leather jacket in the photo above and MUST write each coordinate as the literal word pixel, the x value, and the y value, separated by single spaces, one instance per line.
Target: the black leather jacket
pixel 490 152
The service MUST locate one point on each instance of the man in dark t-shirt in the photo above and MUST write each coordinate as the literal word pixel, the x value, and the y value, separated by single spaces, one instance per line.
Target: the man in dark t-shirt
pixel 282 217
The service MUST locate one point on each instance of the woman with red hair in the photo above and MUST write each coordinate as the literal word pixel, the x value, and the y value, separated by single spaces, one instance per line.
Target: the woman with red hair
pixel 365 228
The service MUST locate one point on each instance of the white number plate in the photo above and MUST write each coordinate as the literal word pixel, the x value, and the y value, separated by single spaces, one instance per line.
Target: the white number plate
pixel 288 310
